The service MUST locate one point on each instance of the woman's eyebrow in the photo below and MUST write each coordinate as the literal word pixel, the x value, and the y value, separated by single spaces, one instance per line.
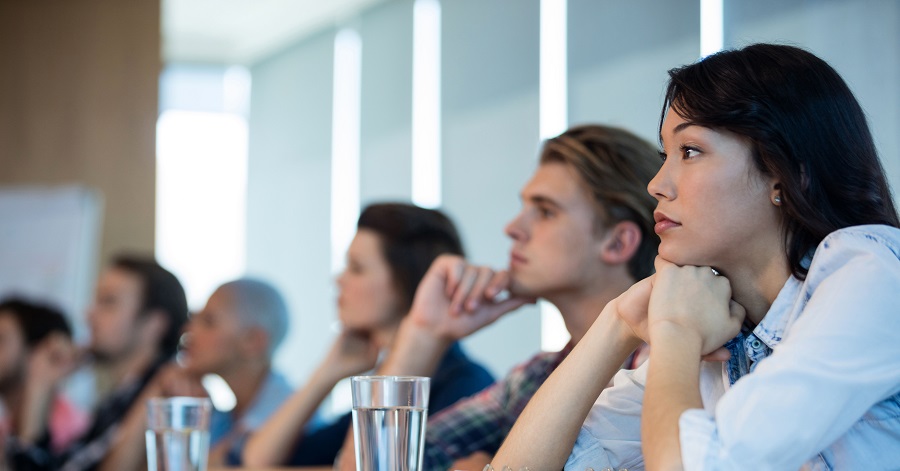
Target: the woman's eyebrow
pixel 678 128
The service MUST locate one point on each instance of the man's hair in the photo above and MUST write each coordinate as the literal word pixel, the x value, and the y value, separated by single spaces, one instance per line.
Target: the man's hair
pixel 160 290
pixel 259 304
pixel 616 166
pixel 37 321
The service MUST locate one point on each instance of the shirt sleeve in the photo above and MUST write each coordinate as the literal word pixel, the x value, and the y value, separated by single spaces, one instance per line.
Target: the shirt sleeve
pixel 611 434
pixel 837 361
pixel 481 422
pixel 456 377
pixel 321 447
pixel 477 423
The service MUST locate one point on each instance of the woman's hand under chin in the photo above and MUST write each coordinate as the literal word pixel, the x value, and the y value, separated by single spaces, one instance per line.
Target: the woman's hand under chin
pixel 352 353
pixel 693 301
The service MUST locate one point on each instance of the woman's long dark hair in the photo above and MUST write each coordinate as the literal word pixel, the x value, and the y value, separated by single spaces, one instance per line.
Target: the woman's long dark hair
pixel 806 130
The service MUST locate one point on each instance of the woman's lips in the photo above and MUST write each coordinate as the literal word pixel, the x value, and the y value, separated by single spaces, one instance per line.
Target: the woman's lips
pixel 663 223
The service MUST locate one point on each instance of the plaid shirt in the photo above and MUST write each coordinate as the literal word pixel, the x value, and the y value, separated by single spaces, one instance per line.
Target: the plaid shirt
pixel 481 422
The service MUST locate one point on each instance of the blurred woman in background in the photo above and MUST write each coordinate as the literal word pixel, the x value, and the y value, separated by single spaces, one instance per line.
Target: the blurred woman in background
pixel 393 248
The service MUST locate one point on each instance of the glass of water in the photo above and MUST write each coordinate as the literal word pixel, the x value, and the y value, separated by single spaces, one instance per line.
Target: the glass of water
pixel 389 415
pixel 178 433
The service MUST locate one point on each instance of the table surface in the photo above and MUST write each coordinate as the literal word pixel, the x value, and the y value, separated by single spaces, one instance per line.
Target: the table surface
pixel 309 468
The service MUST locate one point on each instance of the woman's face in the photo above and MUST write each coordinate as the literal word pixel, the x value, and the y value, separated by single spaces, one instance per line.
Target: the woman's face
pixel 714 207
pixel 368 298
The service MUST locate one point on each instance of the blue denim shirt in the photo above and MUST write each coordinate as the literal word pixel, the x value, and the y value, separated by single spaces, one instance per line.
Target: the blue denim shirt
pixel 815 386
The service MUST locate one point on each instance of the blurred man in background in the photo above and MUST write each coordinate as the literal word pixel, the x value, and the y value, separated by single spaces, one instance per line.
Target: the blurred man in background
pixel 136 322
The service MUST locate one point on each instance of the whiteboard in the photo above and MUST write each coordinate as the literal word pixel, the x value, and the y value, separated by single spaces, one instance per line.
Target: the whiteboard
pixel 49 244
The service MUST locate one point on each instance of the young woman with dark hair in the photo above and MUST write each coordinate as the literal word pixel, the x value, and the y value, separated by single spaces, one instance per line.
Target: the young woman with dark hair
pixel 780 241
pixel 394 245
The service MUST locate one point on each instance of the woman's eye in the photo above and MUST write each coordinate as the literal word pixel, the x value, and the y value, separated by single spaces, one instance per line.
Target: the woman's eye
pixel 689 152
pixel 662 156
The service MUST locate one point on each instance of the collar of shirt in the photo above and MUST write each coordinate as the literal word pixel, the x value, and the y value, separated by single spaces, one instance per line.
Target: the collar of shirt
pixel 749 347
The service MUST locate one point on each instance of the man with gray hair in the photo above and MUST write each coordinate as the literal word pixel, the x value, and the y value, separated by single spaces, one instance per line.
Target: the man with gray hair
pixel 234 336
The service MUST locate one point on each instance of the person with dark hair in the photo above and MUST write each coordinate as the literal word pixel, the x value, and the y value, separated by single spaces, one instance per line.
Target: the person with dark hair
pixel 395 243
pixel 36 354
pixel 152 295
pixel 780 241
pixel 135 321
pixel 583 236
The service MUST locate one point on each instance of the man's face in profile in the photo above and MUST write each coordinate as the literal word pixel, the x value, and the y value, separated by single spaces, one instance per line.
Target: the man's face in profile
pixel 555 238
pixel 114 316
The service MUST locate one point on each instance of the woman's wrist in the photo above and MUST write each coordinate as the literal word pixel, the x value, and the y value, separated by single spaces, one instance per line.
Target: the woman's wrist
pixel 665 333
pixel 325 376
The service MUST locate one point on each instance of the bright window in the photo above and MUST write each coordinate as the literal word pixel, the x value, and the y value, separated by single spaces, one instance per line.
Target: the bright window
pixel 201 195
pixel 553 121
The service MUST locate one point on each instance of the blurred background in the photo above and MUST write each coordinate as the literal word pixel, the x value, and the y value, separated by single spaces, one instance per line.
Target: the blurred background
pixel 234 137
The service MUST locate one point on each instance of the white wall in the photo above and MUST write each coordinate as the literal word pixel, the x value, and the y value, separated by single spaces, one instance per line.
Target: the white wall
pixel 490 143
pixel 619 53
pixel 288 193
pixel 386 122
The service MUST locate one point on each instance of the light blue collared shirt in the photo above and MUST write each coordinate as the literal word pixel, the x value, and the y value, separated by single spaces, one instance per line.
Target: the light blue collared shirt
pixel 815 386
pixel 268 399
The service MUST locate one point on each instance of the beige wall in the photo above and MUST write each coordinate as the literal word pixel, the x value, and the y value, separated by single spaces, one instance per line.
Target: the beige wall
pixel 78 104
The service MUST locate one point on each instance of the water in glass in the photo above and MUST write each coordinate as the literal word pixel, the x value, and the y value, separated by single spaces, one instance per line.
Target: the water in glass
pixel 389 438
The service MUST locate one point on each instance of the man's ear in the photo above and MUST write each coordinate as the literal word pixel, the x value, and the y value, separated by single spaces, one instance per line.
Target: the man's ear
pixel 621 243
pixel 255 341
pixel 155 325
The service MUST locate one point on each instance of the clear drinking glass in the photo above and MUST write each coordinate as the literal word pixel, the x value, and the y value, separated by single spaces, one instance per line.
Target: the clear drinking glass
pixel 389 415
pixel 178 433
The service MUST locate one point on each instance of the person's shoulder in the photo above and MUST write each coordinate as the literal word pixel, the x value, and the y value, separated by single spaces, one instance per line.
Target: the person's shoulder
pixel 876 244
pixel 536 368
pixel 277 380
pixel 269 397
pixel 867 255
pixel 456 366
pixel 873 236
pixel 276 387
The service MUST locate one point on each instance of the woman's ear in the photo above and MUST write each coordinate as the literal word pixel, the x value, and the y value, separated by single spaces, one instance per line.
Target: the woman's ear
pixel 775 195
pixel 621 243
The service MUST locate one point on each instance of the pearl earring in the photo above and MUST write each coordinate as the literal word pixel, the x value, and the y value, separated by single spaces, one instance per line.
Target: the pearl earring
pixel 777 200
